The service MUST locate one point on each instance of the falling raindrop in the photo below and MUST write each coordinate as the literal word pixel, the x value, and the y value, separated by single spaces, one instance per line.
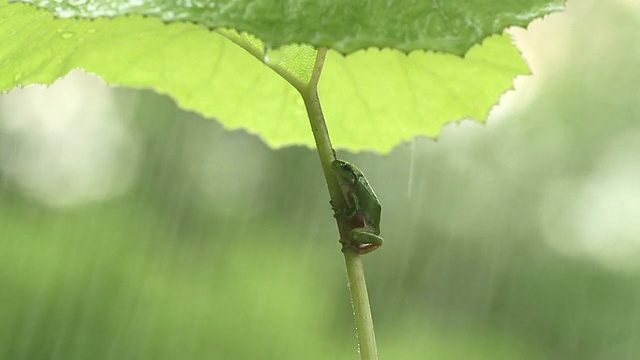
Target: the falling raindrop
pixel 67 35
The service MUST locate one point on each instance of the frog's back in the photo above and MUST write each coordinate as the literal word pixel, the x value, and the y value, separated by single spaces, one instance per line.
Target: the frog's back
pixel 373 207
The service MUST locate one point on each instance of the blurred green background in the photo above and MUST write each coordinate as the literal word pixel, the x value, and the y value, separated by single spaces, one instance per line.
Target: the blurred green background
pixel 130 229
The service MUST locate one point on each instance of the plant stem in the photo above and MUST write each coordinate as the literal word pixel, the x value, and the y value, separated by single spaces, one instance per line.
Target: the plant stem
pixel 361 307
pixel 353 262
pixel 252 48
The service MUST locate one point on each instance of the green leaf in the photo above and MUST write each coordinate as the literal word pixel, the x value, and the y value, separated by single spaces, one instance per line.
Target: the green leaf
pixel 372 99
pixel 346 26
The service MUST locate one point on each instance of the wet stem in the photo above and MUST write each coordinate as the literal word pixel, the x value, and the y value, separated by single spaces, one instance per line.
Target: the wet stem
pixel 353 262
pixel 355 271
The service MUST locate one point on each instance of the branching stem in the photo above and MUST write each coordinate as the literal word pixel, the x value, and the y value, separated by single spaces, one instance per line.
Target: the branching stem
pixel 353 262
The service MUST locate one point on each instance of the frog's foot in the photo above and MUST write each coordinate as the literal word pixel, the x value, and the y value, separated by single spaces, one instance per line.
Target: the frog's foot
pixel 359 249
pixel 363 241
pixel 342 213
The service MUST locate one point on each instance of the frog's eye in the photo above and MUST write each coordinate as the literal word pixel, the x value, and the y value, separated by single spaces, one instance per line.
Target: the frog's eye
pixel 347 167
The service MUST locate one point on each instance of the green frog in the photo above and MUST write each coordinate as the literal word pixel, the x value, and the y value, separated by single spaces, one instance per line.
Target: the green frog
pixel 363 209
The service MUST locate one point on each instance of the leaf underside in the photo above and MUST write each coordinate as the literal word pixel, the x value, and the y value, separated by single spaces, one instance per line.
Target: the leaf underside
pixel 372 98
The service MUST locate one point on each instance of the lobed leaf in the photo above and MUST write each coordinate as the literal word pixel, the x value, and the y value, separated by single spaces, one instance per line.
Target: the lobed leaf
pixel 372 98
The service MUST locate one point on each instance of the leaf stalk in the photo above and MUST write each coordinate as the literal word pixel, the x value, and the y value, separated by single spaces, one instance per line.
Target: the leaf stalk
pixel 353 261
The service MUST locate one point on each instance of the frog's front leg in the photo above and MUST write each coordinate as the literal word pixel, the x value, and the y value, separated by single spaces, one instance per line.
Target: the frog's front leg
pixel 364 241
pixel 349 211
